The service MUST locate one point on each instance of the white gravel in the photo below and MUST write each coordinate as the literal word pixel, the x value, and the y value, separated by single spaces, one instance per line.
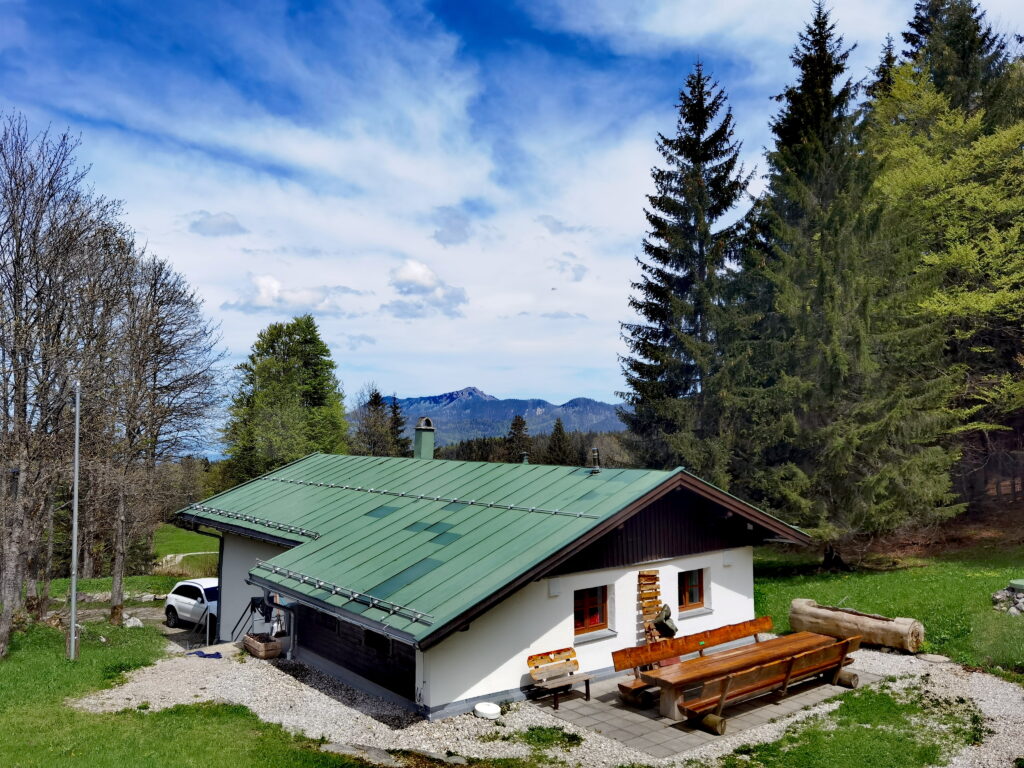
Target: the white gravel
pixel 309 702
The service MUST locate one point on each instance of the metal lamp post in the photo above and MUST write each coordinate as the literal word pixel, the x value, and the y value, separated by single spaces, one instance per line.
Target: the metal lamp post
pixel 73 644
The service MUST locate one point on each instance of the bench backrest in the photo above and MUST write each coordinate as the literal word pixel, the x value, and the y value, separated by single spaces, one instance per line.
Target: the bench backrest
pixel 552 664
pixel 777 673
pixel 642 655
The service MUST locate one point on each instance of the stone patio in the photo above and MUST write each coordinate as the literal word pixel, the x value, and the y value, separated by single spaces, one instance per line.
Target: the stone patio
pixel 647 731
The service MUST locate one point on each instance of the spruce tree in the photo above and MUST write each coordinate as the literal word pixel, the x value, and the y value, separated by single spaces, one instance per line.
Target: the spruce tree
pixel 671 414
pixel 288 403
pixel 882 75
pixel 402 444
pixel 517 441
pixel 965 57
pixel 560 450
pixel 374 435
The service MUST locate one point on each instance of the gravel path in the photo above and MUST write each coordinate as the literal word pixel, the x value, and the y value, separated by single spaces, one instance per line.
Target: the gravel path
pixel 304 700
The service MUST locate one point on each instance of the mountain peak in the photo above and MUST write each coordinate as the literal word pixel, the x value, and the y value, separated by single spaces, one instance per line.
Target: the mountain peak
pixel 467 393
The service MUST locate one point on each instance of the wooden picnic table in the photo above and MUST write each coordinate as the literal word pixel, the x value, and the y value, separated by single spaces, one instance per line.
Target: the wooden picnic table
pixel 676 679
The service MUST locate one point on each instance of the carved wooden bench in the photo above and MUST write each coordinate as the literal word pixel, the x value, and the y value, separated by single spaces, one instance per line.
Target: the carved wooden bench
pixel 555 672
pixel 707 703
pixel 640 693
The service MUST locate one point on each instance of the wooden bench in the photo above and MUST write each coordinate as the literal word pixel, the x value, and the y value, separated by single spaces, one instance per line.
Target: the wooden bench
pixel 639 693
pixel 708 702
pixel 555 672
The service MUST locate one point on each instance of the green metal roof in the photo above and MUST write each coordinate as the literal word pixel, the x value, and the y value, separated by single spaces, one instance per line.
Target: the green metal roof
pixel 412 543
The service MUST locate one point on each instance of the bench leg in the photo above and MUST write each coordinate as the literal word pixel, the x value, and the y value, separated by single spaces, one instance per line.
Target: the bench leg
pixel 586 685
pixel 556 698
pixel 714 723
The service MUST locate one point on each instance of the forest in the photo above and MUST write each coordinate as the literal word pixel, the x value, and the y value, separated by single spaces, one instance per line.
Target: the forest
pixel 843 349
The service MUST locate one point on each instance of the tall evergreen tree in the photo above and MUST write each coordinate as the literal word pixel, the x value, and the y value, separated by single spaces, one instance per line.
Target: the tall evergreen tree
pixel 374 434
pixel 517 441
pixel 288 403
pixel 560 449
pixel 403 445
pixel 683 273
pixel 965 57
pixel 882 75
pixel 817 425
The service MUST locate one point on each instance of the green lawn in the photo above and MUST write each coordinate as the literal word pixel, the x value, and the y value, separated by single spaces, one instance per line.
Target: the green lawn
pixel 40 730
pixel 172 540
pixel 156 584
pixel 878 727
pixel 950 595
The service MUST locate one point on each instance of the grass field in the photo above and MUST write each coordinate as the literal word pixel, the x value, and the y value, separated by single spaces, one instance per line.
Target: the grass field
pixel 172 540
pixel 878 727
pixel 950 595
pixel 40 730
pixel 155 584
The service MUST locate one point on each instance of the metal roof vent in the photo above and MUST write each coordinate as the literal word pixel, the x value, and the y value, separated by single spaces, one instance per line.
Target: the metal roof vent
pixel 423 439
pixel 596 454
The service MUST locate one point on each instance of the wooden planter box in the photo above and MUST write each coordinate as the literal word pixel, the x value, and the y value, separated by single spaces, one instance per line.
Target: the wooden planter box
pixel 262 646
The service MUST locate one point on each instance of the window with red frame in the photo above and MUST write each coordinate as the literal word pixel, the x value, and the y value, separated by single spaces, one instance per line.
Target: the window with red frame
pixel 590 609
pixel 691 589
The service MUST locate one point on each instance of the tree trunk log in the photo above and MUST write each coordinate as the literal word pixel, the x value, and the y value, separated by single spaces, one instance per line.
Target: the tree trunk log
pixel 903 633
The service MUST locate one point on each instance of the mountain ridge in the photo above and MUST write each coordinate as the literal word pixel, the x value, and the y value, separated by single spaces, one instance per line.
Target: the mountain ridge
pixel 468 413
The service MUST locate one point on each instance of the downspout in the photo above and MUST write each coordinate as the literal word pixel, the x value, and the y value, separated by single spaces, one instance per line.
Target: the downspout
pixel 292 625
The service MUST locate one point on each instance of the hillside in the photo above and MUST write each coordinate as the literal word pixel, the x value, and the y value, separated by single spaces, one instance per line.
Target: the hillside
pixel 469 413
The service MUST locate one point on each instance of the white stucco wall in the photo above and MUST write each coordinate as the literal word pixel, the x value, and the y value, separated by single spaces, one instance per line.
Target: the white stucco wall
pixel 240 555
pixel 490 657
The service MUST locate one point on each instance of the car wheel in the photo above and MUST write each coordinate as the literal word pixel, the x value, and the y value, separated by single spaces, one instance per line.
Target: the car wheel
pixel 172 617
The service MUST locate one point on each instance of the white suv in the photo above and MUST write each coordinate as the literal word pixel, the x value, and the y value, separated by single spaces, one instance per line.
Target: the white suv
pixel 192 601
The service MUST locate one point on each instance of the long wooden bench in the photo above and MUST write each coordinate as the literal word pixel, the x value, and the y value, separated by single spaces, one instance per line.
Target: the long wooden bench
pixel 708 702
pixel 640 693
pixel 555 672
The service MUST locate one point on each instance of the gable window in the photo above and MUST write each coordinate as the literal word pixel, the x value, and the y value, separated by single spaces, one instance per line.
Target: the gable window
pixel 691 589
pixel 590 609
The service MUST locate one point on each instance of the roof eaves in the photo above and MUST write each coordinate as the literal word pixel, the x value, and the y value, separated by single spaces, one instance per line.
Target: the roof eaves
pixel 244 531
pixel 340 613
pixel 745 509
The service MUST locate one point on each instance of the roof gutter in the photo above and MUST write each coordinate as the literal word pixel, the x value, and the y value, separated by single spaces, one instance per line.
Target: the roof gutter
pixel 194 521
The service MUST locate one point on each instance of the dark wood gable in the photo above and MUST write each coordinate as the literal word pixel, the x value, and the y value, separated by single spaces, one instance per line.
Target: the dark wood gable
pixel 677 524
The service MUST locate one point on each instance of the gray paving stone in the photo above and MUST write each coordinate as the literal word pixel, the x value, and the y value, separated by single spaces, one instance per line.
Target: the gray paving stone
pixel 659 751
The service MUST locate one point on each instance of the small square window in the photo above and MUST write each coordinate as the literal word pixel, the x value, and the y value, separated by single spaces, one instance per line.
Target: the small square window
pixel 691 589
pixel 590 610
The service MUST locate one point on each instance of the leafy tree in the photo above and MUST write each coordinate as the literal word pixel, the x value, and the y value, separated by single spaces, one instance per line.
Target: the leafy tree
pixel 958 190
pixel 673 347
pixel 517 441
pixel 374 434
pixel 965 57
pixel 288 404
pixel 403 445
pixel 559 450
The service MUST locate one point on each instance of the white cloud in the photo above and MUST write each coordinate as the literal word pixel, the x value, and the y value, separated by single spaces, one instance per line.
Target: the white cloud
pixel 267 293
pixel 430 294
pixel 215 224
pixel 453 226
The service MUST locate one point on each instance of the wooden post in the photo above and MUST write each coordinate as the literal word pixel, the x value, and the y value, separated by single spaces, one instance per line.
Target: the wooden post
pixel 725 692
pixel 789 674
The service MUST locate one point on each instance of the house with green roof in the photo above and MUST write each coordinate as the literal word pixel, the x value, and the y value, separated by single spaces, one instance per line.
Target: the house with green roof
pixel 430 581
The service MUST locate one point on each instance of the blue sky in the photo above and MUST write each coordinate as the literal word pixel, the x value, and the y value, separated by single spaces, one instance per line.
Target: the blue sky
pixel 454 189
